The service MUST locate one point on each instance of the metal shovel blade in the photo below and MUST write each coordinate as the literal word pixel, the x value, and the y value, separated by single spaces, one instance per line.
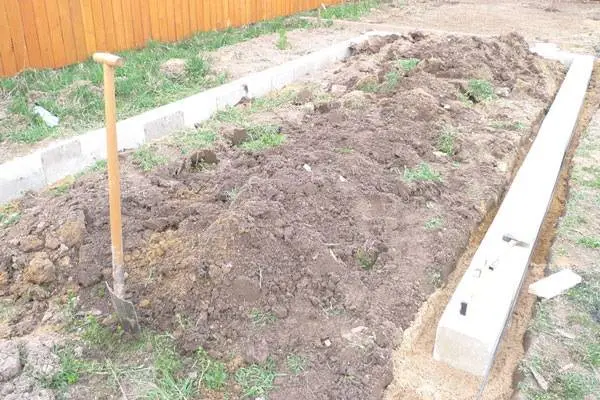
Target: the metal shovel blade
pixel 125 312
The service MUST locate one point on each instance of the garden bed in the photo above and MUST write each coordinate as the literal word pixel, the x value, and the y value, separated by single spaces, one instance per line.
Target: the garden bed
pixel 293 237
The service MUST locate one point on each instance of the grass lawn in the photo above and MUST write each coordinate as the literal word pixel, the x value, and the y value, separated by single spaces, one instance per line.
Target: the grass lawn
pixel 74 93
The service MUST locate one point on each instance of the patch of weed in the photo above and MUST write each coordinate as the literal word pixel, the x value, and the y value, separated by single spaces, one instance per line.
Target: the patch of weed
pixel 62 187
pixel 509 125
pixel 590 242
pixel 195 140
pixel 391 81
pixel 94 333
pixel 446 139
pixel 256 380
pixel 407 64
pixel 480 90
pixel 9 215
pixel 349 10
pixel 272 100
pixel 232 194
pixel 586 295
pixel 262 318
pixel 422 173
pixel 344 150
pixel 542 321
pixel 368 86
pixel 366 257
pixel 282 40
pixel 213 374
pixel 575 386
pixel 263 137
pixel 71 369
pixel 296 363
pixel 196 68
pixel 147 159
pixel 434 223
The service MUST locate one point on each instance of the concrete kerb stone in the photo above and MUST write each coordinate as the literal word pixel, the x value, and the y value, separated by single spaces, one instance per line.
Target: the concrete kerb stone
pixel 475 318
pixel 21 175
pixel 60 159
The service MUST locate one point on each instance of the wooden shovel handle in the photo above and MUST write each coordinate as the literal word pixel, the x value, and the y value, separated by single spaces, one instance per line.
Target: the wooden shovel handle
pixel 109 62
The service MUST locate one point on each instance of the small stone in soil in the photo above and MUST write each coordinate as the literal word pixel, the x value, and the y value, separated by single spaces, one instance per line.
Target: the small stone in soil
pixel 203 157
pixel 239 136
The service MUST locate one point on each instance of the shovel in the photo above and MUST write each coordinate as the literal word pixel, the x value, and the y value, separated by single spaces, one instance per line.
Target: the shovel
pixel 125 309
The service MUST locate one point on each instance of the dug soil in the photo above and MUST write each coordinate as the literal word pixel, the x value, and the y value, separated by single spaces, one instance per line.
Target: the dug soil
pixel 325 246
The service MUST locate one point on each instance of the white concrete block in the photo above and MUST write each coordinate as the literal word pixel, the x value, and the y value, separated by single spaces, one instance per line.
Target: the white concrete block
pixel 61 159
pixel 555 284
pixel 197 108
pixel 259 84
pixel 20 175
pixel 472 324
pixel 93 146
pixel 229 94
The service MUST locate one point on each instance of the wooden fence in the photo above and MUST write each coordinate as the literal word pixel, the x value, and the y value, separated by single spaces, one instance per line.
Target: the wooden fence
pixel 55 33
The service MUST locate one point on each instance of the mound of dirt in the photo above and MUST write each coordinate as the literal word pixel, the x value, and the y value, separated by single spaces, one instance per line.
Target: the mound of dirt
pixel 325 246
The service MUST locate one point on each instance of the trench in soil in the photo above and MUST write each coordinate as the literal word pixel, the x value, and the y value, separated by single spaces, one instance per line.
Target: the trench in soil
pixel 416 375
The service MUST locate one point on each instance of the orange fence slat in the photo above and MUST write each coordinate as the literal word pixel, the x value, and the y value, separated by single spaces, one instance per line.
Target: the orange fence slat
pixel 66 29
pixel 193 16
pixel 118 26
pixel 154 22
pixel 43 29
pixel 144 8
pixel 34 53
pixel 7 57
pixel 179 27
pixel 187 22
pixel 128 22
pixel 108 24
pixel 16 31
pixel 170 20
pixel 78 25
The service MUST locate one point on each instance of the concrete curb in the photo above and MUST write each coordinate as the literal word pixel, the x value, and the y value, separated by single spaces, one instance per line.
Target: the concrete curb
pixel 66 157
pixel 474 320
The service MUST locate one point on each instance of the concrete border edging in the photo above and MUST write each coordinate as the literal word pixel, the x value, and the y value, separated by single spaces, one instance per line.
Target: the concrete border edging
pixel 472 325
pixel 62 158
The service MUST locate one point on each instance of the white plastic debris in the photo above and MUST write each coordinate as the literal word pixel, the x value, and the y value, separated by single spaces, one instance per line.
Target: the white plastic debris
pixel 342 179
pixel 50 119
pixel 307 168
pixel 555 284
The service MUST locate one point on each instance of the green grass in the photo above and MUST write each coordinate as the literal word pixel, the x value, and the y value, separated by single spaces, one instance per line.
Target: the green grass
pixel 262 318
pixel 390 81
pixel 590 242
pixel 62 187
pixel 71 369
pixel 195 140
pixel 213 374
pixel 344 150
pixel 575 386
pixel 407 64
pixel 445 142
pixel 9 215
pixel 366 258
pixel 296 364
pixel 422 173
pixel 282 40
pixel 352 10
pixel 256 380
pixel 434 223
pixel 147 159
pixel 263 137
pixel 368 86
pixel 480 90
pixel 74 93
